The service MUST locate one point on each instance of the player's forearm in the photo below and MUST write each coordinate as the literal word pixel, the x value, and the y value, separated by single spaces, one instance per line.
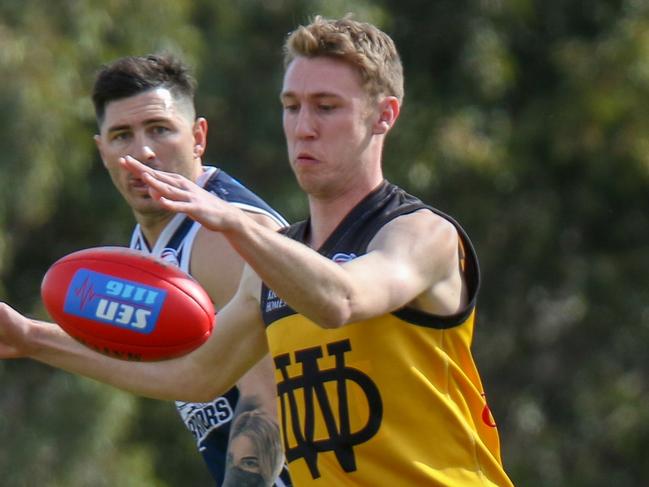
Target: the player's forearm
pixel 310 283
pixel 49 344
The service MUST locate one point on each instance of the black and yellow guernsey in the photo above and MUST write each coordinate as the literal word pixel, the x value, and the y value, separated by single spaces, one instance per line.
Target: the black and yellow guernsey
pixel 391 401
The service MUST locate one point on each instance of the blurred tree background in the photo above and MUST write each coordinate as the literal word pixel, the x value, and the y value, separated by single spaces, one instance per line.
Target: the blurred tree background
pixel 524 119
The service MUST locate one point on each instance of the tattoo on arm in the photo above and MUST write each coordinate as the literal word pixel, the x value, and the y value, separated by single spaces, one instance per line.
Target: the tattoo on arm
pixel 255 453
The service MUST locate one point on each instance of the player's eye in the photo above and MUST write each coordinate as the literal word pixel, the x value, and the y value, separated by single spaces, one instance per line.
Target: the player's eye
pixel 160 130
pixel 120 136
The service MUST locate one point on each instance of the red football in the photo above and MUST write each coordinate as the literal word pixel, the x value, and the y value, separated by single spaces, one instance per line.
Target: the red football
pixel 127 304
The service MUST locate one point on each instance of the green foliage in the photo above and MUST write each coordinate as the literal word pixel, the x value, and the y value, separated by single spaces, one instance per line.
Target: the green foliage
pixel 525 120
pixel 56 198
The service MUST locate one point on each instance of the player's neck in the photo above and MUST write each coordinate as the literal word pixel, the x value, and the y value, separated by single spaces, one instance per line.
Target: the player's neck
pixel 327 213
pixel 152 226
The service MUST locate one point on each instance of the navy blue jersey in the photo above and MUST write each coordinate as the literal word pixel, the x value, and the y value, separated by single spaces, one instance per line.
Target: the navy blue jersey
pixel 208 422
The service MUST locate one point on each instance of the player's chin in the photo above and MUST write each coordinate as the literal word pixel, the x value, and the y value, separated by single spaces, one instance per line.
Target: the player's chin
pixel 141 197
pixel 147 206
pixel 312 184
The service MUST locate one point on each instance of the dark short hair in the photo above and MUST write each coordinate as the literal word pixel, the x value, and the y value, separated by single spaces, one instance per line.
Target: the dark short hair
pixel 132 75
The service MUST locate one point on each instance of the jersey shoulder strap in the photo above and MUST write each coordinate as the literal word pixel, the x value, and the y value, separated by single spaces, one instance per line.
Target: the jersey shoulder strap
pixel 229 189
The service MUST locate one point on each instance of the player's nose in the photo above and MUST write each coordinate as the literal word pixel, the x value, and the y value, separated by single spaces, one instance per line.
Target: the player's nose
pixel 145 154
pixel 305 124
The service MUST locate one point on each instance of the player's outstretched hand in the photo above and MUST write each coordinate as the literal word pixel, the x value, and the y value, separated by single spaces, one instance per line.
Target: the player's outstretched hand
pixel 13 330
pixel 179 194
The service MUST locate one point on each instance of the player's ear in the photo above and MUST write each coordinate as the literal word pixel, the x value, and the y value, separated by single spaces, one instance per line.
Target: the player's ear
pixel 98 143
pixel 200 136
pixel 388 112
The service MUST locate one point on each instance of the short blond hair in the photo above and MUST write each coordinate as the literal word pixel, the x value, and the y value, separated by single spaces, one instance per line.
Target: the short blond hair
pixel 368 49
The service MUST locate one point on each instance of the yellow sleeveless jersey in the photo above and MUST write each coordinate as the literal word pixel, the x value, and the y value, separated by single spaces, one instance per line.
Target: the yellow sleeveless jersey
pixel 391 401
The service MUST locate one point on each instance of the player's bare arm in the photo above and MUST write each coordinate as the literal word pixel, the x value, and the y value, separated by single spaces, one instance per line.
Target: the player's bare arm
pixel 237 343
pixel 218 267
pixel 412 260
pixel 255 453
pixel 13 333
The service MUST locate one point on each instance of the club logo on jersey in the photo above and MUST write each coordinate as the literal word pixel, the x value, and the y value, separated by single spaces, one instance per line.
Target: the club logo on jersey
pixel 326 423
pixel 114 301
pixel 170 255
pixel 341 257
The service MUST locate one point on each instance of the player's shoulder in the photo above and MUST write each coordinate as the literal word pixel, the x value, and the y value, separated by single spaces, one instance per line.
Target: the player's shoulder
pixel 227 187
pixel 422 225
pixel 234 192
pixel 212 250
pixel 216 265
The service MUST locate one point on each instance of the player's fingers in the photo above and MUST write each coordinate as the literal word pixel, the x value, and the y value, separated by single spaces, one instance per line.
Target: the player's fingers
pixel 134 166
pixel 162 188
pixel 177 206
pixel 139 170
pixel 169 178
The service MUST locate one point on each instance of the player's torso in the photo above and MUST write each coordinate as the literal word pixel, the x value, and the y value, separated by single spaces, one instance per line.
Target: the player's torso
pixel 395 400
pixel 208 422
